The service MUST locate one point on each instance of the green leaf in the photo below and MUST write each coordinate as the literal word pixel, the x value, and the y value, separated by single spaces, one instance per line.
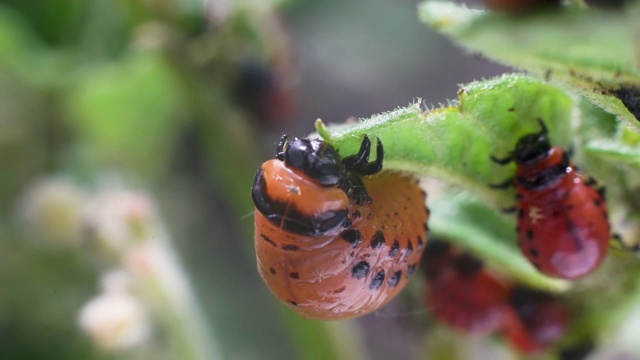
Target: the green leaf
pixel 126 112
pixel 592 52
pixel 454 143
pixel 489 235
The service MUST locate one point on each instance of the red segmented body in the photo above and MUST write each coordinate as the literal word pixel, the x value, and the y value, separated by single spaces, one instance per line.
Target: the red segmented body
pixel 536 322
pixel 330 251
pixel 462 294
pixel 563 227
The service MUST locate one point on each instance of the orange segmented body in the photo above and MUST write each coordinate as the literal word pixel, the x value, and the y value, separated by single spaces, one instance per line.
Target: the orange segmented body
pixel 563 227
pixel 340 250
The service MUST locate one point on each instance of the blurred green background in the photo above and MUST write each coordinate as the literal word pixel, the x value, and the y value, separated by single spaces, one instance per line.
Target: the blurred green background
pixel 178 102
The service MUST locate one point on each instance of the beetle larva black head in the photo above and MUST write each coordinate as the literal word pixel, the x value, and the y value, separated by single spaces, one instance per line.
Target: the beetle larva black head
pixel 532 147
pixel 314 157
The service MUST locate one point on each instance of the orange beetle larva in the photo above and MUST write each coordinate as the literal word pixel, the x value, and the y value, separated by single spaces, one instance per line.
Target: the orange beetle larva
pixel 335 237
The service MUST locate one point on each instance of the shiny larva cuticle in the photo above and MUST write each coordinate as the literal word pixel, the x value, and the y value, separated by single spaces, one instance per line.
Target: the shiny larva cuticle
pixel 562 221
pixel 352 271
pixel 357 262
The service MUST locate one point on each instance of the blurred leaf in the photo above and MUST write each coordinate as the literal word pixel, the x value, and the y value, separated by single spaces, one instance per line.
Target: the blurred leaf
pixel 44 286
pixel 22 53
pixel 127 112
pixel 56 22
pixel 592 52
pixel 454 144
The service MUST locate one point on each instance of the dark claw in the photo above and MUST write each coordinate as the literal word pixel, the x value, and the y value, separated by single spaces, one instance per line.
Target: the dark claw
pixel 375 166
pixel 503 161
pixel 503 185
pixel 543 126
pixel 360 159
pixel 569 151
pixel 510 210
pixel 280 147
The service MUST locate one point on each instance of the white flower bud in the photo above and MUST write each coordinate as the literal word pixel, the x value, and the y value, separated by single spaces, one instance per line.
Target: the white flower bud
pixel 119 219
pixel 115 321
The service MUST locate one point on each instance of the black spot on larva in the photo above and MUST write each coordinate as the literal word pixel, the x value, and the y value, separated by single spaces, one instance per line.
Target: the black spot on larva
pixel 356 214
pixel 377 240
pixel 290 247
pixel 377 281
pixel 395 213
pixel 395 248
pixel 395 278
pixel 518 197
pixel 420 243
pixel 533 252
pixel 630 97
pixel 294 275
pixel 293 303
pixel 272 271
pixel 555 213
pixel 266 238
pixel 352 236
pixel 529 234
pixel 360 270
pixel 409 250
pixel 520 213
pixel 596 202
pixel 411 269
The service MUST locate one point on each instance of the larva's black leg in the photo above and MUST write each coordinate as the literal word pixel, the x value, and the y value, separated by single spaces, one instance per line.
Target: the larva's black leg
pixel 510 210
pixel 355 190
pixel 570 151
pixel 543 132
pixel 280 147
pixel 503 185
pixel 503 161
pixel 374 166
pixel 359 160
pixel 590 181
